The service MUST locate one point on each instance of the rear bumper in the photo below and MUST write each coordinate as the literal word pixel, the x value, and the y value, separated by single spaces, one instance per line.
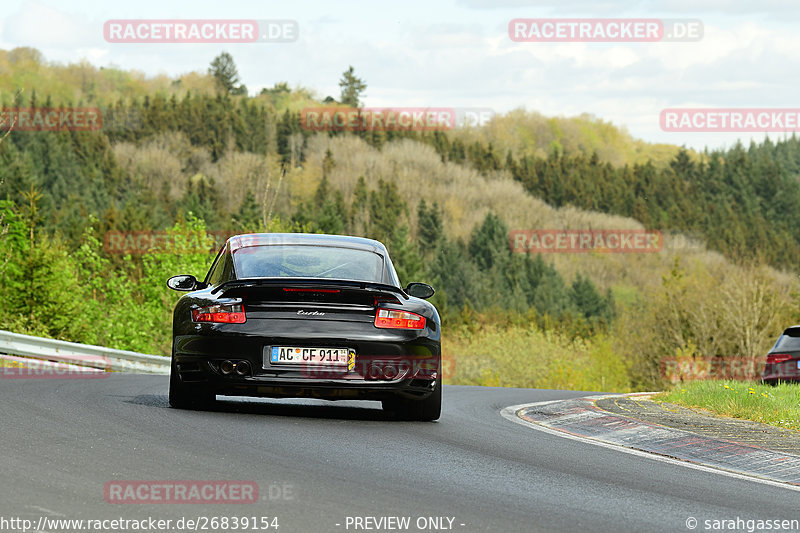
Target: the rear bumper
pixel 786 371
pixel 380 370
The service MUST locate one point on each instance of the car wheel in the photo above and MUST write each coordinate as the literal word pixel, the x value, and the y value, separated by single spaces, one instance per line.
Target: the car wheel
pixel 429 408
pixel 188 396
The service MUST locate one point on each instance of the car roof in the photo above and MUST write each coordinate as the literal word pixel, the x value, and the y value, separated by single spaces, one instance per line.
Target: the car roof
pixel 309 239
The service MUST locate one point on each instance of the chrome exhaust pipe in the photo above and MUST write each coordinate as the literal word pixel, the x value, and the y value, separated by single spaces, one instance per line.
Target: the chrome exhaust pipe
pixel 243 368
pixel 226 367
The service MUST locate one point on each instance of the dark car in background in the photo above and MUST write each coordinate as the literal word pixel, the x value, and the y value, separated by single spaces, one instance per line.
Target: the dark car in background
pixel 306 315
pixel 783 360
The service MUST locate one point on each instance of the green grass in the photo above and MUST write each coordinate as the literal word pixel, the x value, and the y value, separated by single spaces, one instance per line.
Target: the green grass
pixel 750 400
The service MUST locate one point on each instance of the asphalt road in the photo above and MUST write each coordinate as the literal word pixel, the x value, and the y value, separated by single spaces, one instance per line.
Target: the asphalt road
pixel 317 463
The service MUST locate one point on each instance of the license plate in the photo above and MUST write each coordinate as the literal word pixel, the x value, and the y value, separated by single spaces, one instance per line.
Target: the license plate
pixel 293 355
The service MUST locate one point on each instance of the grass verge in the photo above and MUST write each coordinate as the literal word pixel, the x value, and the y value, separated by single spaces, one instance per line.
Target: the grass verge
pixel 749 400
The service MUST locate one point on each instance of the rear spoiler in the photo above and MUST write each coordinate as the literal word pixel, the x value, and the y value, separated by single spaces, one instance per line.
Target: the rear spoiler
pixel 309 283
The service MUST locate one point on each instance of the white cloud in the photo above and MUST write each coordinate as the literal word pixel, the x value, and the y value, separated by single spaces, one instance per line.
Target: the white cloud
pixel 46 26
pixel 773 8
pixel 461 56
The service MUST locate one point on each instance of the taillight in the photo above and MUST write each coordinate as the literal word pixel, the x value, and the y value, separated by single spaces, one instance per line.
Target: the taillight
pixel 775 358
pixel 225 314
pixel 390 318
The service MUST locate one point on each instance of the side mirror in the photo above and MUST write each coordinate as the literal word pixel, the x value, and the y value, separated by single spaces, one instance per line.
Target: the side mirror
pixel 420 290
pixel 182 283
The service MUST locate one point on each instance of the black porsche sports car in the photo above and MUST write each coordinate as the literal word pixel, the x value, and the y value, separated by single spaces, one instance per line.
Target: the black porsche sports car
pixel 306 315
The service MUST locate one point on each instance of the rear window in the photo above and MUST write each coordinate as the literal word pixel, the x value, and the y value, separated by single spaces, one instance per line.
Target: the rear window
pixel 788 342
pixel 300 261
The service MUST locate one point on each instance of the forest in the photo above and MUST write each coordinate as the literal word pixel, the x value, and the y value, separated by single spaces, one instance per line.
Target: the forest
pixel 197 154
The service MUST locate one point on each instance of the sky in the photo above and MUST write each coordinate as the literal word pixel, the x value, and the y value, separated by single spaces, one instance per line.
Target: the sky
pixel 459 54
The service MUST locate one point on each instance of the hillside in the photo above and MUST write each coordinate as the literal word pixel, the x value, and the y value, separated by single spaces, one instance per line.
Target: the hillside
pixel 178 155
pixel 531 134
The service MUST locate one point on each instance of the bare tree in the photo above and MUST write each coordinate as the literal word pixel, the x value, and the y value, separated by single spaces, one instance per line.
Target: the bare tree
pixel 270 195
pixel 296 141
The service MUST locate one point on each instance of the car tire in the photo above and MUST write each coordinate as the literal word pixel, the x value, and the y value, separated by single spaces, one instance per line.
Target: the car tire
pixel 427 409
pixel 188 396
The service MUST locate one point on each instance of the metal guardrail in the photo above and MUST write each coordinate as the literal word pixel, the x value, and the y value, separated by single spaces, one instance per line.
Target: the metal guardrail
pixel 81 354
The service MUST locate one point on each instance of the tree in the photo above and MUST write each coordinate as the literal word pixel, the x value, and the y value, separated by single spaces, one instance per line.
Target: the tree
pixel 278 89
pixel 42 293
pixel 359 208
pixel 386 207
pixel 328 206
pixel 489 242
pixel 224 71
pixel 328 163
pixel 202 199
pixel 592 305
pixel 456 278
pixel 430 230
pixel 551 296
pixel 324 212
pixel 352 87
pixel 406 261
pixel 248 217
pixel 331 215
